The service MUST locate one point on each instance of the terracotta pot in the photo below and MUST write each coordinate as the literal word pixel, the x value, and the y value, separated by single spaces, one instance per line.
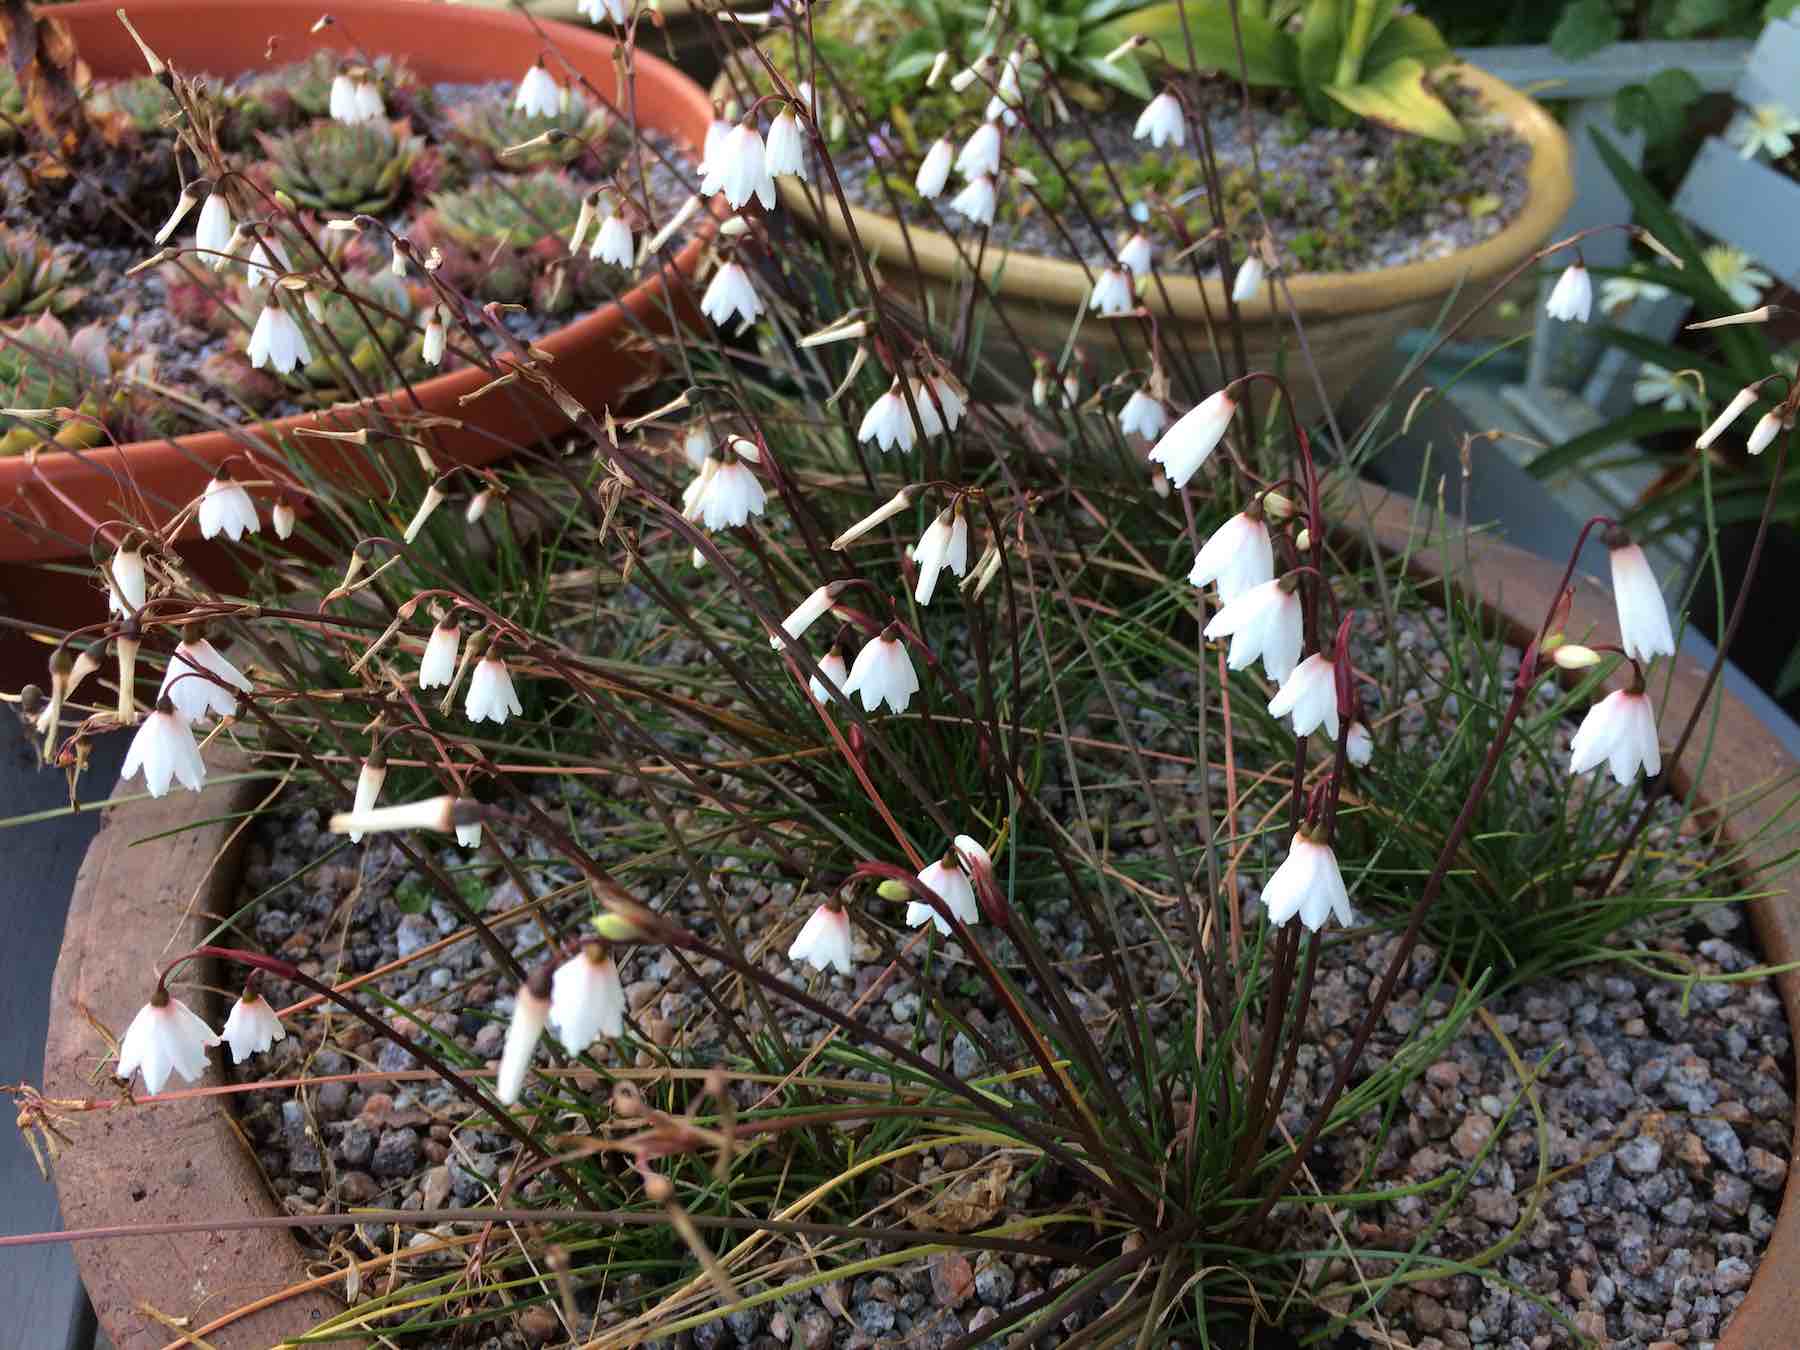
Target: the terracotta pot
pixel 1350 318
pixel 127 899
pixel 687 36
pixel 65 493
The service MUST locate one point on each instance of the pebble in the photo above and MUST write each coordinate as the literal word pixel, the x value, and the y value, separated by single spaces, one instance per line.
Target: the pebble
pixel 994 1280
pixel 396 1154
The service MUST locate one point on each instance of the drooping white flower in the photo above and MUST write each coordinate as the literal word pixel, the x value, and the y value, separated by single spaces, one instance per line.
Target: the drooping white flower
pixel 731 496
pixel 934 169
pixel 1309 695
pixel 1249 278
pixel 945 543
pixel 1572 298
pixel 277 341
pixel 368 104
pixel 1658 384
pixel 613 243
pixel 165 1037
pixel 164 750
pixel 1135 253
pixel 1237 555
pixel 731 292
pixel 126 585
pixel 587 1000
pixel 596 10
pixel 1161 122
pixel 491 696
pixel 940 403
pixel 469 836
pixel 193 694
pixel 1739 405
pixel 267 262
pixel 368 789
pixel 945 877
pixel 1111 295
pixel 1762 435
pixel 892 507
pixel 786 149
pixel 833 667
pixel 1644 630
pixel 226 508
pixel 539 95
pixel 212 232
pixel 344 105
pixel 883 673
pixel 739 169
pixel 431 348
pixel 438 664
pixel 1185 446
pixel 887 422
pixel 1767 128
pixel 531 1009
pixel 980 154
pixel 824 940
pixel 698 443
pixel 808 612
pixel 1619 731
pixel 1736 274
pixel 976 201
pixel 1004 103
pixel 1309 884
pixel 1359 745
pixel 283 517
pixel 1143 415
pixel 1264 621
pixel 714 144
pixel 252 1027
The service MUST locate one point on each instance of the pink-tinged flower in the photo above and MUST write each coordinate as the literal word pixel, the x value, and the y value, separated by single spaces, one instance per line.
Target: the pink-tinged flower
pixel 887 422
pixel 1620 731
pixel 530 1011
pixel 226 508
pixel 252 1027
pixel 1309 695
pixel 1238 555
pixel 1359 745
pixel 1572 298
pixel 1264 621
pixel 946 878
pixel 730 292
pixel 945 543
pixel 883 673
pixel 1111 296
pixel 934 169
pixel 165 1037
pixel 164 750
pixel 438 665
pixel 1309 884
pixel 195 695
pixel 833 667
pixel 738 168
pixel 1161 123
pixel 587 1000
pixel 1644 630
pixel 1185 446
pixel 491 695
pixel 824 940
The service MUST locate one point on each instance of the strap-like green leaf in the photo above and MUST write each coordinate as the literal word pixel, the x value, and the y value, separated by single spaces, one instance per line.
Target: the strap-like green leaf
pixel 1408 35
pixel 1396 96
pixel 1269 54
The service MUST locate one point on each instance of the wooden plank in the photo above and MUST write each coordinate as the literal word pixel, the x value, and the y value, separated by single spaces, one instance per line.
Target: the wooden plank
pixel 1539 71
pixel 1745 203
pixel 1773 73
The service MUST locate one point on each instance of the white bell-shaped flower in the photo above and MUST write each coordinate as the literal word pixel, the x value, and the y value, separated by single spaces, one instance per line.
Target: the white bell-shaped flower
pixel 226 508
pixel 283 517
pixel 266 263
pixel 431 347
pixel 808 612
pixel 1136 254
pixel 277 341
pixel 946 877
pixel 1620 732
pixel 1359 745
pixel 164 750
pixel 613 243
pixel 367 101
pixel 491 696
pixel 1184 447
pixel 531 1009
pixel 977 200
pixel 252 1027
pixel 1249 279
pixel 1572 298
pixel 883 673
pixel 539 95
pixel 193 694
pixel 1143 416
pixel 739 169
pixel 342 103
pixel 941 403
pixel 587 1000
pixel 1238 555
pixel 731 293
pixel 1309 695
pixel 165 1037
pixel 596 10
pixel 980 154
pixel 369 779
pixel 1161 123
pixel 945 543
pixel 469 836
pixel 731 496
pixel 212 232
pixel 438 665
pixel 1763 434
pixel 1112 295
pixel 833 667
pixel 786 148
pixel 1644 630
pixel 934 169
pixel 824 940
pixel 1307 883
pixel 887 422
pixel 1265 621
pixel 127 583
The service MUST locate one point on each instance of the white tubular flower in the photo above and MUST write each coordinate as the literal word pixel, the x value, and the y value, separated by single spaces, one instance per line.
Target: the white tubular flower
pixel 433 498
pixel 1573 656
pixel 432 348
pixel 368 788
pixel 1264 621
pixel 614 244
pixel 126 584
pixel 1309 695
pixel 1238 556
pixel 183 204
pixel 1249 279
pixel 267 263
pixel 786 150
pixel 952 886
pixel 1739 405
pixel 739 169
pixel 587 1000
pixel 731 496
pixel 226 508
pixel 824 940
pixel 1309 884
pixel 1763 434
pixel 1136 254
pixel 252 1027
pixel 1572 298
pixel 596 10
pixel 469 836
pixel 1006 90
pixel 164 750
pixel 934 169
pixel 1143 416
pixel 1359 745
pixel 729 293
pixel 438 665
pixel 491 695
pixel 892 507
pixel 887 421
pixel 1111 296
pixel 945 543
pixel 976 201
pixel 530 1011
pixel 980 154
pixel 1161 122
pixel 808 612
pixel 833 668
pixel 193 693
pixel 277 341
pixel 883 673
pixel 212 232
pixel 539 95
pixel 165 1037
pixel 1644 630
pixel 1185 446
pixel 434 813
pixel 584 219
pixel 283 518
pixel 1619 731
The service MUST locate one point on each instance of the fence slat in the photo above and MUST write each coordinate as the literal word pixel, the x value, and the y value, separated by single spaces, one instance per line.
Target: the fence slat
pixel 1745 203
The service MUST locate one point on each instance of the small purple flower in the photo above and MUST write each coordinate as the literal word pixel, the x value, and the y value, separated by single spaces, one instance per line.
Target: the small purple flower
pixel 881 142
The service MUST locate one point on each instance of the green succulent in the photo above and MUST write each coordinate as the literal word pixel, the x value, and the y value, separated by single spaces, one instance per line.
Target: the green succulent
pixel 489 126
pixel 12 107
pixel 503 237
pixel 35 278
pixel 43 366
pixel 126 111
pixel 327 166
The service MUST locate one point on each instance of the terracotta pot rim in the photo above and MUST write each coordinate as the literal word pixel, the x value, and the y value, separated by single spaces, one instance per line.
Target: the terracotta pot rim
pixel 1515 589
pixel 1039 277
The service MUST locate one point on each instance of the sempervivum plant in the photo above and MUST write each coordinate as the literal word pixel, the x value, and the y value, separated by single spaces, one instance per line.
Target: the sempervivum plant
pixel 127 112
pixel 43 365
pixel 327 166
pixel 302 91
pixel 489 126
pixel 12 107
pixel 36 278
